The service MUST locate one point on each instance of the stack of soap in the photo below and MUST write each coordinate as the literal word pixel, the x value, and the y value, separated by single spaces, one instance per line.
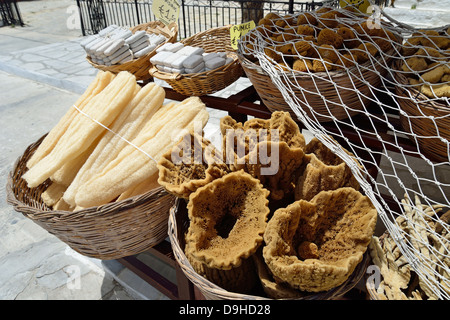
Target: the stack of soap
pixel 178 58
pixel 117 45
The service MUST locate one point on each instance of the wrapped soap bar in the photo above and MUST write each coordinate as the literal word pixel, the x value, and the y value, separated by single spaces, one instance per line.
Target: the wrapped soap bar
pixel 165 47
pixel 192 61
pixel 199 68
pixel 138 35
pixel 210 55
pixel 114 46
pixel 189 50
pixel 160 57
pixel 178 63
pixel 124 57
pixel 171 59
pixel 144 51
pixel 108 29
pixel 215 63
pixel 119 52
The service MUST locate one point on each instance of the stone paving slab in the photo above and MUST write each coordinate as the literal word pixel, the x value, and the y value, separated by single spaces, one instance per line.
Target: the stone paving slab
pixel 61 64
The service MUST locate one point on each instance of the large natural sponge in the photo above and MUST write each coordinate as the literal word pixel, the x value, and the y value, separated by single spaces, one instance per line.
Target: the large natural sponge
pixel 315 246
pixel 322 170
pixel 270 150
pixel 227 217
pixel 190 164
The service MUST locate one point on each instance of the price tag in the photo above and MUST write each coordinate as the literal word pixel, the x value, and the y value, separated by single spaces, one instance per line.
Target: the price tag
pixel 237 31
pixel 166 11
pixel 361 5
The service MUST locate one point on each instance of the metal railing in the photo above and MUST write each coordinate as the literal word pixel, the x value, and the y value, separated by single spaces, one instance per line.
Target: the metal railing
pixel 195 15
pixel 9 13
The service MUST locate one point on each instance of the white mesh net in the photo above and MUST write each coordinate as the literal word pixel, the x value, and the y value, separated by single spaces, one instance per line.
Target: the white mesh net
pixel 381 89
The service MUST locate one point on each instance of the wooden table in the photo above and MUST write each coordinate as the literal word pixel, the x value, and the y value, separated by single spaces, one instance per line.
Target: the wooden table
pixel 240 106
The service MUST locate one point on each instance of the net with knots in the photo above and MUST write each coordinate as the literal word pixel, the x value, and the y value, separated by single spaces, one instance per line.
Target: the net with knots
pixel 381 89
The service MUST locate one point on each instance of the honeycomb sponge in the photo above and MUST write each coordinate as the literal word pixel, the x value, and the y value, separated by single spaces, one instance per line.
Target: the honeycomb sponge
pixel 271 157
pixel 227 217
pixel 316 245
pixel 322 170
pixel 190 164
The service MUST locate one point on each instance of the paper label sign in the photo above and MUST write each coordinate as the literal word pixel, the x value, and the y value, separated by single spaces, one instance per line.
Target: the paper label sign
pixel 237 31
pixel 166 11
pixel 361 5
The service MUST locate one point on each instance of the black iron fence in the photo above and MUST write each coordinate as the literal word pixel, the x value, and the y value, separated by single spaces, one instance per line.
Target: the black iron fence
pixel 195 15
pixel 9 13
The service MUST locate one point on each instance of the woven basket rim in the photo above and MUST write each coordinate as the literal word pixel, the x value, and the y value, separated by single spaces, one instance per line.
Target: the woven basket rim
pixel 174 30
pixel 218 292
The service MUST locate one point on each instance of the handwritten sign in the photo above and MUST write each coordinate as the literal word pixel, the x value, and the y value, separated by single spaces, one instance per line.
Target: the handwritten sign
pixel 361 5
pixel 166 11
pixel 237 31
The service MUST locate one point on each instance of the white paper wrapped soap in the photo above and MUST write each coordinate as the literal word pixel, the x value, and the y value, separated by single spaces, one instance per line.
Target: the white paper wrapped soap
pixel 189 50
pixel 126 56
pixel 145 51
pixel 100 50
pixel 170 59
pixel 122 34
pixel 222 54
pixel 199 68
pixel 138 43
pixel 156 39
pixel 178 63
pixel 92 48
pixel 177 46
pixel 107 30
pixel 136 36
pixel 210 55
pixel 215 63
pixel 192 61
pixel 119 52
pixel 140 47
pixel 115 45
pixel 164 47
pixel 160 57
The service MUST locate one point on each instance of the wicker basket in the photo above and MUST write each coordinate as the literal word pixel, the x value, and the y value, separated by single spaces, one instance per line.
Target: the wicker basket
pixel 419 108
pixel 337 89
pixel 199 84
pixel 140 67
pixel 111 231
pixel 178 226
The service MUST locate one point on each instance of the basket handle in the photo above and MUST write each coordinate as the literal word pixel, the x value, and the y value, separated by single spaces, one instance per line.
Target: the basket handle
pixel 164 75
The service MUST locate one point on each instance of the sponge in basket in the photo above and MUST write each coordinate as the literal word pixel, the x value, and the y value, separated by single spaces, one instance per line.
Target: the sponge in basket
pixel 315 246
pixel 227 220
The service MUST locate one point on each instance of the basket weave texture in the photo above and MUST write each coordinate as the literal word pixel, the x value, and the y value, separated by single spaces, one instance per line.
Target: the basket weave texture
pixel 178 226
pixel 203 83
pixel 425 118
pixel 111 231
pixel 336 87
pixel 140 67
